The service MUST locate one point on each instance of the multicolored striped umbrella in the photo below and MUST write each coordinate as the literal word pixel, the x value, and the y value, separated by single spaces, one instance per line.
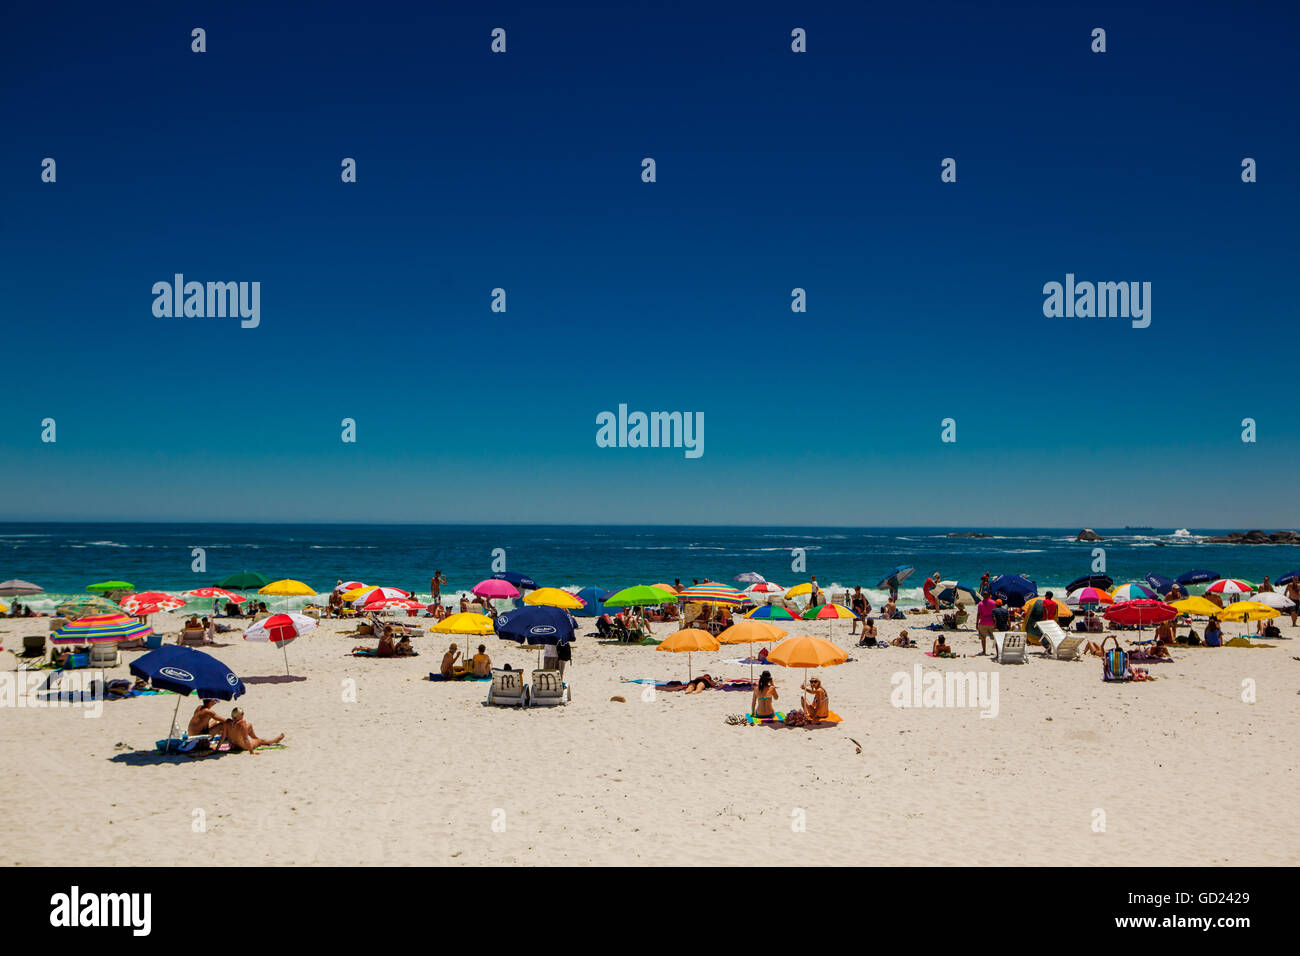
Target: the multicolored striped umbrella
pixel 1231 588
pixel 150 602
pixel 828 612
pixel 711 594
pixel 1133 592
pixel 1089 596
pixel 100 629
pixel 771 612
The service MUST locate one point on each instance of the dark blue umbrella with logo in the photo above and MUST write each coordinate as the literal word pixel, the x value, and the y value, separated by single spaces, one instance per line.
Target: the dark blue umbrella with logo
pixel 535 625
pixel 1014 589
pixel 1288 577
pixel 186 671
pixel 1102 582
pixel 521 582
pixel 1197 577
pixel 1164 585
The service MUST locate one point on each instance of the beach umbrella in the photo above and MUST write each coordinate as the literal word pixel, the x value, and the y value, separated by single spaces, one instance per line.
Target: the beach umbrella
pixel 670 588
pixel 101 629
pixel 1061 609
pixel 722 595
pixel 799 590
pixel 1013 589
pixel 1195 577
pixel 287 588
pixel 16 588
pixel 829 612
pixel 1089 595
pixel 1231 589
pixel 534 626
pixel 1284 579
pixel 216 593
pixel 86 606
pixel 1133 592
pixel 898 575
pixel 405 604
pixel 465 623
pixel 950 592
pixel 771 612
pixel 1197 607
pixel 150 602
pixel 281 629
pixel 244 581
pixel 185 671
pixel 554 597
pixel 374 598
pixel 807 651
pixel 1271 599
pixel 689 640
pixel 521 582
pixel 765 587
pixel 640 595
pixel 495 589
pixel 1163 585
pixel 1103 582
pixel 1140 612
pixel 593 602
pixel 1248 611
pixel 751 632
pixel 108 587
pixel 750 577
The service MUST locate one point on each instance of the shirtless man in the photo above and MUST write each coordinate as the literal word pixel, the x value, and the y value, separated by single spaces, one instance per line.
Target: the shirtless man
pixel 240 733
pixel 205 719
pixel 449 662
pixel 1293 595
pixel 435 586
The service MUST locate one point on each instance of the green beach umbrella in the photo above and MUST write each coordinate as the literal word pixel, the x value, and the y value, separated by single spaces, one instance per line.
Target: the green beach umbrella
pixel 640 595
pixel 244 581
pixel 103 587
pixel 87 607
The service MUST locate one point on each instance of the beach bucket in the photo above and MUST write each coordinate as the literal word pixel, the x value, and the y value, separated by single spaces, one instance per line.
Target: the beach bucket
pixel 153 641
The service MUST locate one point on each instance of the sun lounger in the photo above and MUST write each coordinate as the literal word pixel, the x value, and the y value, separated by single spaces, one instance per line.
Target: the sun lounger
pixel 1010 646
pixel 105 655
pixel 508 689
pixel 547 689
pixel 193 637
pixel 1060 644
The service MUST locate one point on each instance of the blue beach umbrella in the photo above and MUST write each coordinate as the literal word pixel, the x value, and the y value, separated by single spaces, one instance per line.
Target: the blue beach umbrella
pixel 1197 577
pixel 535 624
pixel 1288 577
pixel 898 575
pixel 522 582
pixel 1014 589
pixel 595 598
pixel 1163 585
pixel 186 671
pixel 1103 582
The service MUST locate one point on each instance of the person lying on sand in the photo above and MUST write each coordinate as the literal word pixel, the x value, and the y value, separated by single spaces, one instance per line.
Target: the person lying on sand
pixel 205 719
pixel 763 701
pixel 241 735
pixel 703 682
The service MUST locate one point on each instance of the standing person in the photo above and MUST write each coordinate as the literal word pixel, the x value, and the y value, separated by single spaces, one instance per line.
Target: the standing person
pixel 984 583
pixel 859 606
pixel 435 586
pixel 1293 595
pixel 677 585
pixel 927 589
pixel 564 654
pixel 1001 617
pixel 893 590
pixel 815 596
pixel 984 620
pixel 1266 586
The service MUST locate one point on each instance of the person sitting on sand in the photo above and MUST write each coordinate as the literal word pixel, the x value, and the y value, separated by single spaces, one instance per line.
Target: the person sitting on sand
pixel 241 735
pixel 403 647
pixel 868 638
pixel 480 663
pixel 1213 634
pixel 903 640
pixel 890 609
pixel 449 662
pixel 941 648
pixel 703 682
pixel 819 708
pixel 1164 633
pixel 763 701
pixel 205 720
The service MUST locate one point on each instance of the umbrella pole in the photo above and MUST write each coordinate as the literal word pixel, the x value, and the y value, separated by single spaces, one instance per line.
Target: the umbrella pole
pixel 285 652
pixel 169 730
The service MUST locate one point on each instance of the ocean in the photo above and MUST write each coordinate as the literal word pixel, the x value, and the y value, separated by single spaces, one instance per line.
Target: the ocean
pixel 65 558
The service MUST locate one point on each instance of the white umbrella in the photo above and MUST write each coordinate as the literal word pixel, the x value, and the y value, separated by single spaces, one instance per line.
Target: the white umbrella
pixel 1274 600
pixel 281 629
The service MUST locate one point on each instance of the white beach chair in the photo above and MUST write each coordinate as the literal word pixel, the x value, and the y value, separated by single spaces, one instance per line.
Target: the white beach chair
pixel 508 689
pixel 547 689
pixel 1063 645
pixel 1010 647
pixel 105 655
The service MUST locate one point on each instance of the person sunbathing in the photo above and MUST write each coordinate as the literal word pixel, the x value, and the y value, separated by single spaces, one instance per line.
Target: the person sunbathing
pixel 763 701
pixel 205 719
pixel 819 708
pixel 941 648
pixel 903 640
pixel 697 684
pixel 241 735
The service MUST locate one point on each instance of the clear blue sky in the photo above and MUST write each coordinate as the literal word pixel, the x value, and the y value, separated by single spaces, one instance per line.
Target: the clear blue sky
pixel 775 170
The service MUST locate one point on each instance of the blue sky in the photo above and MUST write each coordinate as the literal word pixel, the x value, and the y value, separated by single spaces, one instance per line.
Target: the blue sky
pixel 775 170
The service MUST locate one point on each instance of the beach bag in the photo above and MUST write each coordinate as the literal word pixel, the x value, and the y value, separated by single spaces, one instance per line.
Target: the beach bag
pixel 1114 662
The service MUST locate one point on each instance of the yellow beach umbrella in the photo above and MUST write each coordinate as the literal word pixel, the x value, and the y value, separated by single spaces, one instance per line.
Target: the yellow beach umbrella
pixel 350 596
pixel 799 590
pixel 1197 607
pixel 689 640
pixel 287 588
pixel 466 623
pixel 751 632
pixel 1248 611
pixel 553 597
pixel 807 651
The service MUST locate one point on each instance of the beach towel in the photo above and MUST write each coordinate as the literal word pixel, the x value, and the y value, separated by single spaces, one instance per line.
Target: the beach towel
pixel 438 677
pixel 371 652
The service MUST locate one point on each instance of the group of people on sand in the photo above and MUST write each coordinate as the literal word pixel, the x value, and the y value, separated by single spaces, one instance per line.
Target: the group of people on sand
pixel 762 703
pixel 235 729
pixel 480 665
pixel 390 645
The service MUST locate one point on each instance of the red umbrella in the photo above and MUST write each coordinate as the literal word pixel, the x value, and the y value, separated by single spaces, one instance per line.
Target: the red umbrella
pixel 280 629
pixel 216 592
pixel 1140 612
pixel 146 603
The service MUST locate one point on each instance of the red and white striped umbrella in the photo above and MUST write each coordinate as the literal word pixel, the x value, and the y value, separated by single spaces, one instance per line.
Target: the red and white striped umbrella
pixel 1230 587
pixel 150 602
pixel 349 586
pixel 281 629
pixel 765 587
pixel 377 596
pixel 216 592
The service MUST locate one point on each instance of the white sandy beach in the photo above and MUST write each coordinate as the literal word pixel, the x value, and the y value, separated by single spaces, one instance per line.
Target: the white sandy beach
pixel 416 772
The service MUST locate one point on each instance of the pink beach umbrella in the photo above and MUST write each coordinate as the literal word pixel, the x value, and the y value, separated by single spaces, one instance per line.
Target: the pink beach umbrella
pixel 495 589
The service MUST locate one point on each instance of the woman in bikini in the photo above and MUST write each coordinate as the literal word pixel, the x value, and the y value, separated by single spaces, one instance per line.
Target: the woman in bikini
pixel 819 708
pixel 763 702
